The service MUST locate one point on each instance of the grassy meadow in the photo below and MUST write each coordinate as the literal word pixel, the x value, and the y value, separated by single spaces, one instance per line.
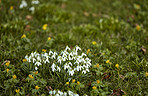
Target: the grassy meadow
pixel 73 47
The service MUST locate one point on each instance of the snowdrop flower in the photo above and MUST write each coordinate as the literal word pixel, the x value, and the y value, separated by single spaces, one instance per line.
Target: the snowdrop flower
pixel 34 60
pixel 71 72
pixel 67 48
pixel 36 68
pixel 77 48
pixel 57 95
pixel 32 9
pixel 50 92
pixel 50 52
pixel 38 63
pixel 53 92
pixel 58 68
pixel 70 93
pixel 65 94
pixel 23 4
pixel 84 72
pixel 54 55
pixel 53 67
pixel 35 2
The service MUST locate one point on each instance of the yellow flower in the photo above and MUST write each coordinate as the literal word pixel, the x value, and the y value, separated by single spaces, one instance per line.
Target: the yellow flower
pixel 24 60
pixel 67 83
pixel 73 80
pixel 17 90
pixel 44 50
pixel 7 70
pixel 98 81
pixel 78 82
pixel 146 74
pixel 7 64
pixel 14 76
pixel 49 38
pixel 37 87
pixel 107 61
pixel 44 27
pixel 94 43
pixel 30 76
pixel 11 7
pixel 117 65
pixel 23 36
pixel 138 28
pixel 97 65
pixel 88 51
pixel 94 87
pixel 35 72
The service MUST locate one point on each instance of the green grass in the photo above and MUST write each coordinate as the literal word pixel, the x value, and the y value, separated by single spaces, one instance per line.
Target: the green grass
pixel 112 24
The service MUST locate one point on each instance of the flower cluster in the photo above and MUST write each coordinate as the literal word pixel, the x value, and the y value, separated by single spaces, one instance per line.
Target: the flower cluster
pixel 60 93
pixel 24 4
pixel 68 60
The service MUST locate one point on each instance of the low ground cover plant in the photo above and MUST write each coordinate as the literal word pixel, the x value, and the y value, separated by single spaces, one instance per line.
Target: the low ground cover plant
pixel 73 48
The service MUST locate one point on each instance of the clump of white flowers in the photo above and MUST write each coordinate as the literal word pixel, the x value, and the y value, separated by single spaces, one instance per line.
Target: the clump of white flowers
pixel 33 2
pixel 60 93
pixel 68 60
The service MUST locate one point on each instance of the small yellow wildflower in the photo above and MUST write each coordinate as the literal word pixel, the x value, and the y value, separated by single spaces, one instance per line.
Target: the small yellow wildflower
pixel 117 65
pixel 138 28
pixel 17 90
pixel 88 51
pixel 94 43
pixel 107 61
pixel 44 27
pixel 73 80
pixel 97 65
pixel 24 60
pixel 78 82
pixel 49 38
pixel 67 83
pixel 37 87
pixel 94 87
pixel 30 76
pixel 14 77
pixel 7 64
pixel 23 36
pixel 146 74
pixel 11 7
pixel 7 70
pixel 44 50
pixel 98 81
pixel 35 72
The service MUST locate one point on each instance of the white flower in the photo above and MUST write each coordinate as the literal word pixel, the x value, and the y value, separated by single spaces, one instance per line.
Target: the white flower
pixel 84 72
pixel 66 66
pixel 23 4
pixel 50 52
pixel 65 94
pixel 57 95
pixel 54 91
pixel 34 60
pixel 67 48
pixel 50 92
pixel 53 67
pixel 36 68
pixel 32 9
pixel 77 48
pixel 71 72
pixel 38 63
pixel 35 2
pixel 58 68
